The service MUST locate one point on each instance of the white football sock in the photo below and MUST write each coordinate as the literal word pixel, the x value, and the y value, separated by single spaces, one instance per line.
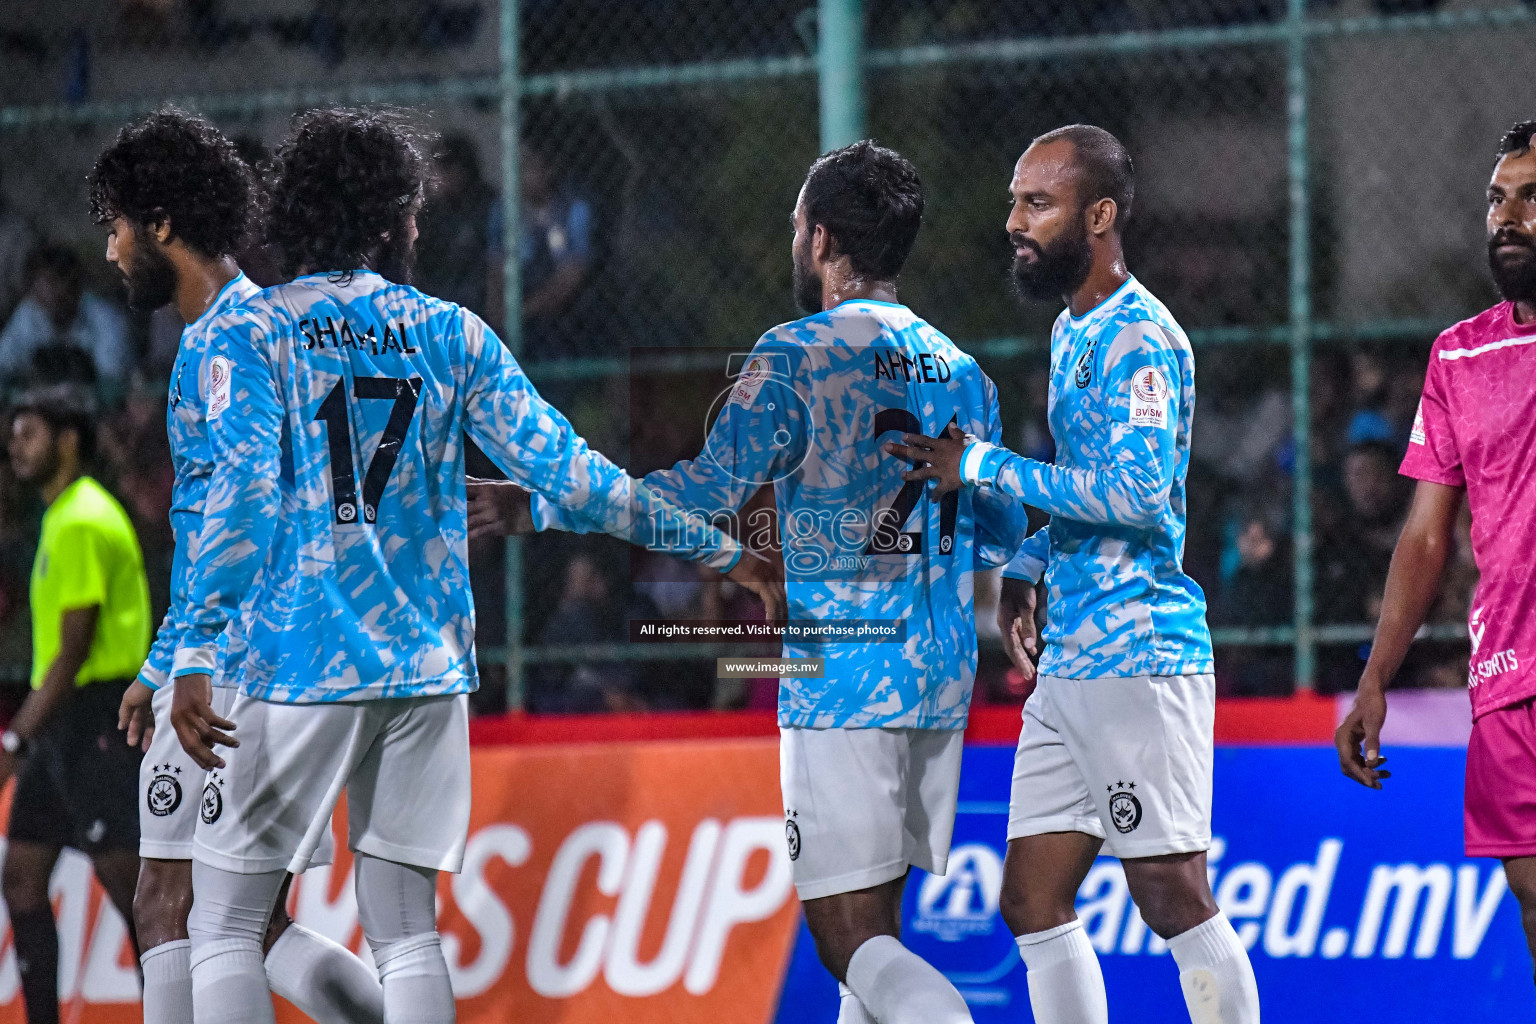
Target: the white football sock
pixel 227 924
pixel 849 1009
pixel 897 986
pixel 168 983
pixel 415 977
pixel 324 979
pixel 228 984
pixel 1215 974
pixel 1065 983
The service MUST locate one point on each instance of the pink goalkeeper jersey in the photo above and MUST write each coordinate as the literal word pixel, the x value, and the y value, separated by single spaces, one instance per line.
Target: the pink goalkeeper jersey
pixel 1476 428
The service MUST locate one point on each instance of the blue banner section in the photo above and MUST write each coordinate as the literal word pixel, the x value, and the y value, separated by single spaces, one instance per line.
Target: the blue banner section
pixel 1355 905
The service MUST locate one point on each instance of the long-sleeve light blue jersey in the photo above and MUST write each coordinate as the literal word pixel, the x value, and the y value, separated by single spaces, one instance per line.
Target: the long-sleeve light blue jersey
pixel 334 533
pixel 186 425
pixel 1122 404
pixel 809 412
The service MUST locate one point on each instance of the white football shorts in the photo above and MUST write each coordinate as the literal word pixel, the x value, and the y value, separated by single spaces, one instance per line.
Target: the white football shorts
pixel 403 763
pixel 171 787
pixel 1127 759
pixel 861 806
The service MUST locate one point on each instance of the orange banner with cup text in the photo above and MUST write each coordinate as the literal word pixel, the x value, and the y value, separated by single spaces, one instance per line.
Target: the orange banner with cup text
pixel 618 881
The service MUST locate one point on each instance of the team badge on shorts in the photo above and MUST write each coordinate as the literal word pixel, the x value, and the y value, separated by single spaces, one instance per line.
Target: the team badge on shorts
pixel 213 799
pixel 164 794
pixel 792 836
pixel 1124 808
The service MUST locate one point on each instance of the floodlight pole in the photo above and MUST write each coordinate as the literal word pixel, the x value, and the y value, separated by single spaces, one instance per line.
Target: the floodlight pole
pixel 840 69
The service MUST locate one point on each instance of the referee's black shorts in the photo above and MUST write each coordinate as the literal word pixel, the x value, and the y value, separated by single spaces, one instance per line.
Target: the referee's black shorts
pixel 79 784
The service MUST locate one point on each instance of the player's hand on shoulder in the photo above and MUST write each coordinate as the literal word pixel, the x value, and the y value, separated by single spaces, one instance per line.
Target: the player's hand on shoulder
pixel 764 577
pixel 1358 738
pixel 933 458
pixel 196 725
pixel 1016 622
pixel 498 508
pixel 136 716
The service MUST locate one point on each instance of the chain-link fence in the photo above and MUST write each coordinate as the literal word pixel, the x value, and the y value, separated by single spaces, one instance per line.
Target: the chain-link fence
pixel 620 178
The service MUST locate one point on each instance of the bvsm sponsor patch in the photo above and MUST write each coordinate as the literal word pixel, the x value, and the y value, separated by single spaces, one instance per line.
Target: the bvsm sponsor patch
pixel 1149 398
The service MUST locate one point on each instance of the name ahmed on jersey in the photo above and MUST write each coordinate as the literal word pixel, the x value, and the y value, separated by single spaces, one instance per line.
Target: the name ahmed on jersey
pixel 926 368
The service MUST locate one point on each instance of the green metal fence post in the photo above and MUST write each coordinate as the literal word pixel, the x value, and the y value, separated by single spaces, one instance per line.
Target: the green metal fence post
pixel 512 317
pixel 1301 335
pixel 840 65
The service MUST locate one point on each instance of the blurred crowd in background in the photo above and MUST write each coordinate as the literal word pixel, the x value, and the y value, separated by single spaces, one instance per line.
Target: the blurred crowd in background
pixel 62 317
pixel 664 144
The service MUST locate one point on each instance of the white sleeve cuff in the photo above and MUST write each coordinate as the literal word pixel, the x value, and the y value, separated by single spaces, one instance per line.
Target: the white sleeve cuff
pixel 971 462
pixel 151 677
pixel 194 660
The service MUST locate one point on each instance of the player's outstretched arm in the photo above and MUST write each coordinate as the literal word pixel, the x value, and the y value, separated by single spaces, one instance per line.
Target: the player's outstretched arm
pixel 1141 399
pixel 1418 563
pixel 759 435
pixel 1002 524
pixel 533 443
pixel 498 508
pixel 245 416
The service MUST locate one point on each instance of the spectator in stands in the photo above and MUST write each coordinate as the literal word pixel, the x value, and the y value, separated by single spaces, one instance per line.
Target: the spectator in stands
pixel 585 615
pixel 16 241
pixel 1355 551
pixel 555 255
pixel 1354 557
pixel 1258 592
pixel 452 252
pixel 56 315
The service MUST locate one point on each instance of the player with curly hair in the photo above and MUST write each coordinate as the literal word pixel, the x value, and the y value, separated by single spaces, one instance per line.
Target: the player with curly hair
pixel 332 578
pixel 177 202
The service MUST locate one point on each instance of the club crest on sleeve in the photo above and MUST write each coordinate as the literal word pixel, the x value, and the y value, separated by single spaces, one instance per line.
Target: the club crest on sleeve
pixel 1149 398
pixel 1124 808
pixel 219 386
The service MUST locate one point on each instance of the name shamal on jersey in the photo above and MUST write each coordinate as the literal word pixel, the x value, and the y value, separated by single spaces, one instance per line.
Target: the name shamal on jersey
pixel 346 336
pixel 927 368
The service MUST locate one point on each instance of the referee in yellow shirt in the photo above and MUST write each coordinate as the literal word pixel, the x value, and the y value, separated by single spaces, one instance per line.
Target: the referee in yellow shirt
pixel 76 777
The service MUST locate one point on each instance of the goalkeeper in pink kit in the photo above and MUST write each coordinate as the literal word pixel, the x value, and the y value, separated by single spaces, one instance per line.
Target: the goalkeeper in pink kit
pixel 1475 436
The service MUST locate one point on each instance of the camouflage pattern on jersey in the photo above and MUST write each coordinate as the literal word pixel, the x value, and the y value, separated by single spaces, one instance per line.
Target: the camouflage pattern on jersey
pixel 334 543
pixel 808 414
pixel 186 425
pixel 1122 404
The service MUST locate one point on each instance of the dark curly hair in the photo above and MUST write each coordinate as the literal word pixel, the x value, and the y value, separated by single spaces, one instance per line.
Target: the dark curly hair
pixel 870 201
pixel 343 184
pixel 1519 139
pixel 176 165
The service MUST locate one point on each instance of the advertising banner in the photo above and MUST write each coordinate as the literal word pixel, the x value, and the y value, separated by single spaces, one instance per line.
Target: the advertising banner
pixel 1354 904
pixel 612 882
pixel 649 882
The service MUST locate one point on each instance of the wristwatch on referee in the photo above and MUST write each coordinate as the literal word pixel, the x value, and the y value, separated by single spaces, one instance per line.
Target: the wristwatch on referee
pixel 13 743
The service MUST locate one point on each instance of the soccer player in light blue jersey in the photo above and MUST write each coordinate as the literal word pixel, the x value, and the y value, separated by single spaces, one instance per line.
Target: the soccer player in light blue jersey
pixel 177 201
pixel 870 752
pixel 1117 745
pixel 331 583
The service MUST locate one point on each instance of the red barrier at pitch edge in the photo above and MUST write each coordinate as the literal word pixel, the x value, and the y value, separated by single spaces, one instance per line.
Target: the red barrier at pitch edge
pixel 1302 719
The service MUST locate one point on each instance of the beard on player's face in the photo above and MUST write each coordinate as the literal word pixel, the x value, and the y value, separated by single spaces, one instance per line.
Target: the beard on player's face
pixel 1514 271
pixel 807 283
pixel 1058 269
pixel 150 277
